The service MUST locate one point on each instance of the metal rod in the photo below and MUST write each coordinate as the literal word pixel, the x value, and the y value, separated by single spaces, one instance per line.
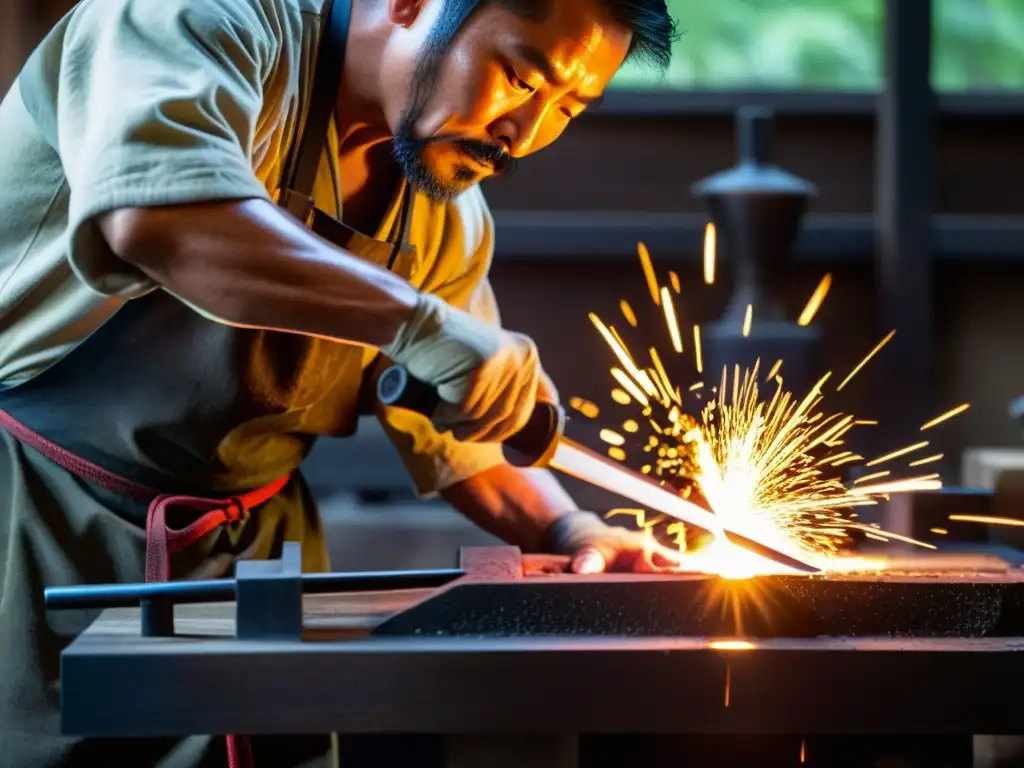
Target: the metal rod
pixel 223 590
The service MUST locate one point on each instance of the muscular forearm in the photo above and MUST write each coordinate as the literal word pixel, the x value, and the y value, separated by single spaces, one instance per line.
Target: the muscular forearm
pixel 516 505
pixel 246 263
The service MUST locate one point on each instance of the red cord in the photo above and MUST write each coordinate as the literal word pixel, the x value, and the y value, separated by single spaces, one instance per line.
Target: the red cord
pixel 161 540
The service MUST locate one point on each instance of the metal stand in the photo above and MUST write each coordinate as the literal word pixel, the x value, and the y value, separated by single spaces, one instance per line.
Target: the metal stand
pixel 756 208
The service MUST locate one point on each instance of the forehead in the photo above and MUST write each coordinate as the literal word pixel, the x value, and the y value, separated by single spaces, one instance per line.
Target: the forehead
pixel 577 37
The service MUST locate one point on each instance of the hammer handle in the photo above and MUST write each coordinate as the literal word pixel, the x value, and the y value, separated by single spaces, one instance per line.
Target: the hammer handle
pixel 531 446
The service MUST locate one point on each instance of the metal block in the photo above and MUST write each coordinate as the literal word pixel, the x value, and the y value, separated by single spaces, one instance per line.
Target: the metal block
pixel 269 597
pixel 924 605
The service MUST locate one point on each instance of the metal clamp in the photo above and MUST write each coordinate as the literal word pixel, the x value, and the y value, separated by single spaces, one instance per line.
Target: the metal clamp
pixel 269 597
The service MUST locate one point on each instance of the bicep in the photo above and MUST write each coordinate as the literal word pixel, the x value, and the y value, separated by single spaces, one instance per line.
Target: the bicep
pixel 148 104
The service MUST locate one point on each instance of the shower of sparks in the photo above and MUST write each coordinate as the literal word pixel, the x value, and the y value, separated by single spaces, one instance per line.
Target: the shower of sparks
pixel 767 463
pixel 814 303
pixel 710 254
pixel 945 416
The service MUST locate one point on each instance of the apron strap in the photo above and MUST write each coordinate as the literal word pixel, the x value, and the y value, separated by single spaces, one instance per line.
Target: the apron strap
pixel 297 188
pixel 161 540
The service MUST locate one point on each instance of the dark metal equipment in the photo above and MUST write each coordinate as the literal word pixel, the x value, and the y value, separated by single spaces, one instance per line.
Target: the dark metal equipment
pixel 757 209
pixel 485 656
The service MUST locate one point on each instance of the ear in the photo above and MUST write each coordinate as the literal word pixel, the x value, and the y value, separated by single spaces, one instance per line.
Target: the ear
pixel 403 13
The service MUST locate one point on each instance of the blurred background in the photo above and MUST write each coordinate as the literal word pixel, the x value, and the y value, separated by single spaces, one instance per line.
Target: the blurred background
pixel 907 115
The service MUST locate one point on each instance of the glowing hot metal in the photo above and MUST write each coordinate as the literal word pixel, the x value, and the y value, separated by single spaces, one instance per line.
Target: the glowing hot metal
pixel 579 462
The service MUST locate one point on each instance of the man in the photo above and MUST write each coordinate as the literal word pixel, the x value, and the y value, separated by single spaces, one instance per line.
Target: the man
pixel 166 327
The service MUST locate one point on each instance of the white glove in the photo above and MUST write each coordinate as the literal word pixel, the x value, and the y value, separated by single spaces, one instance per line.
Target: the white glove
pixel 487 377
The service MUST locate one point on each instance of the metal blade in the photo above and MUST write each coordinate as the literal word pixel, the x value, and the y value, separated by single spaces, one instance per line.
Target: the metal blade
pixel 583 464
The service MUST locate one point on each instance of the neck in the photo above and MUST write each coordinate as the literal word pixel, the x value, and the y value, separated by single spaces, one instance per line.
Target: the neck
pixel 360 116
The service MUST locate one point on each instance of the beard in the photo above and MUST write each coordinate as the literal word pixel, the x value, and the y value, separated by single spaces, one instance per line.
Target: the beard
pixel 408 151
pixel 408 148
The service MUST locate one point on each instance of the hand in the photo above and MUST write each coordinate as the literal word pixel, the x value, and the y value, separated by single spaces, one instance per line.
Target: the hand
pixel 596 547
pixel 487 378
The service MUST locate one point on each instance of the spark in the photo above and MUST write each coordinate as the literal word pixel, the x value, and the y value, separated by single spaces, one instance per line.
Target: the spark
pixel 945 416
pixel 674 279
pixel 872 476
pixel 774 371
pixel 865 361
pixel 585 407
pixel 621 397
pixel 988 520
pixel 803 750
pixel 648 268
pixel 695 387
pixel 671 321
pixel 627 312
pixel 897 453
pixel 697 356
pixel 611 437
pixel 630 426
pixel 939 531
pixel 709 254
pixel 748 319
pixel 925 460
pixel 617 453
pixel 728 684
pixel 630 387
pixel 814 303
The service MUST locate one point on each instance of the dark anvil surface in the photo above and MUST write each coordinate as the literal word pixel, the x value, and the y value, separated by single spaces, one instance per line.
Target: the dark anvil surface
pixel 960 605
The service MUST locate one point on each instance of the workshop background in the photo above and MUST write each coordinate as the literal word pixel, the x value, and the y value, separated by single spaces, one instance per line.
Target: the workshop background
pixel 906 114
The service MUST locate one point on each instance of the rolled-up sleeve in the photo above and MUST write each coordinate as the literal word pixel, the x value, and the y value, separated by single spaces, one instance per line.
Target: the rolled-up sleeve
pixel 149 103
pixel 437 461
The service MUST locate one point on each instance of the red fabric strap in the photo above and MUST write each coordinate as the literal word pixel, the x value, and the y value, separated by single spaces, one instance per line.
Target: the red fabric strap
pixel 162 541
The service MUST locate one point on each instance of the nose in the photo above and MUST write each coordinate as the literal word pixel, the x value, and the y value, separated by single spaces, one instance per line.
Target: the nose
pixel 518 129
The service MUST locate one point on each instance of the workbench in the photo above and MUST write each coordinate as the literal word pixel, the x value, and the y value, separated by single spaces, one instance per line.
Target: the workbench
pixel 524 700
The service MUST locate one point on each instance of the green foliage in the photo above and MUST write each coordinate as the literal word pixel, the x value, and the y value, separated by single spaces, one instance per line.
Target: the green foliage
pixel 831 45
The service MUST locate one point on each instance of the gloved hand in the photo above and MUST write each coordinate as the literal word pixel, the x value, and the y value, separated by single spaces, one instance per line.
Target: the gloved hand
pixel 487 377
pixel 596 547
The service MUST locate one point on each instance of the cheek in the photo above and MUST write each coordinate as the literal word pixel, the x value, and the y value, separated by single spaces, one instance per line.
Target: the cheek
pixel 548 132
pixel 477 93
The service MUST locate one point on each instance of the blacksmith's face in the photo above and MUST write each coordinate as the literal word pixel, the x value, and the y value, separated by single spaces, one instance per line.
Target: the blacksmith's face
pixel 506 86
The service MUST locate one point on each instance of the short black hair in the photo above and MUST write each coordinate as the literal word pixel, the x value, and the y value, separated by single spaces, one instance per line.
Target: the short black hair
pixel 653 29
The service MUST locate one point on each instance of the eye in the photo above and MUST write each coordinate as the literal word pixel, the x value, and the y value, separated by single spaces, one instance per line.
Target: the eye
pixel 517 82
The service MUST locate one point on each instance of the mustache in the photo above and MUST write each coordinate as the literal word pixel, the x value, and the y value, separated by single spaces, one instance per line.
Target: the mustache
pixel 494 154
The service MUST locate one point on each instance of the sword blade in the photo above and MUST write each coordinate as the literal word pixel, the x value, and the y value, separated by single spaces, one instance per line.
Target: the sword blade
pixel 574 460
